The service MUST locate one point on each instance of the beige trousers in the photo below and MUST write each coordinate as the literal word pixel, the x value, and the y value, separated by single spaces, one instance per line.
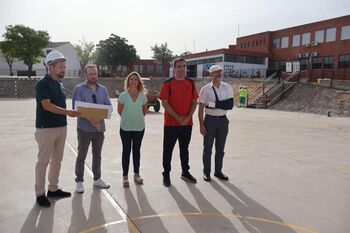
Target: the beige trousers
pixel 51 143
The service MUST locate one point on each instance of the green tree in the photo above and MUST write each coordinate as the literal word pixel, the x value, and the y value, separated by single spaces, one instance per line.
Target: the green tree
pixel 185 53
pixel 162 54
pixel 28 44
pixel 115 51
pixel 85 53
pixel 7 50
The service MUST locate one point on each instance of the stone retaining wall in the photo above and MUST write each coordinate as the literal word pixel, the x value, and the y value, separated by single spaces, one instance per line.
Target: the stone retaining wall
pixel 25 87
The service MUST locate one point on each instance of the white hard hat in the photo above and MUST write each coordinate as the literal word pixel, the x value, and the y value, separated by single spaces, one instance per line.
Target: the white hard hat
pixel 53 56
pixel 214 68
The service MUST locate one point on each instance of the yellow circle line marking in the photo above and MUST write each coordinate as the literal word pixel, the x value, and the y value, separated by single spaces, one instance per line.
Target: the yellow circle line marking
pixel 130 224
pixel 344 169
pixel 176 214
pixel 102 226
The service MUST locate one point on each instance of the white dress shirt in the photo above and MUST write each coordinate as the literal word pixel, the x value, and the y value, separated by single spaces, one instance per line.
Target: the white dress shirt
pixel 207 97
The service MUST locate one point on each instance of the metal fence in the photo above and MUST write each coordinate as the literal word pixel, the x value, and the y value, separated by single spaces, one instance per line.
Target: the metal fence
pixel 335 78
pixel 245 73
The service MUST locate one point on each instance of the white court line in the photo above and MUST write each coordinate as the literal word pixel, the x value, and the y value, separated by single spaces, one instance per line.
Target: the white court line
pixel 109 197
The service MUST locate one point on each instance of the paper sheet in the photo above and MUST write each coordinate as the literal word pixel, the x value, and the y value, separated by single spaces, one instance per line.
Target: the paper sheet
pixel 93 110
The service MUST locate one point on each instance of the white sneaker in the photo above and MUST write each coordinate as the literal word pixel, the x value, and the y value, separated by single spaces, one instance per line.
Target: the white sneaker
pixel 101 184
pixel 79 187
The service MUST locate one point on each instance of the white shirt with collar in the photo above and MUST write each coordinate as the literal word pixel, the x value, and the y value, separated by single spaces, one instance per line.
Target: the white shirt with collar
pixel 207 97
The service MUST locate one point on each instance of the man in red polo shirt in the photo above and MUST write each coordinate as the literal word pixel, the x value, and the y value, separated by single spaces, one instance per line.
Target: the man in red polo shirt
pixel 179 99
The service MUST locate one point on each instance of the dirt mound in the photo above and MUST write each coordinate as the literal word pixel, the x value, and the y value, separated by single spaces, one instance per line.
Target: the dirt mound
pixel 315 99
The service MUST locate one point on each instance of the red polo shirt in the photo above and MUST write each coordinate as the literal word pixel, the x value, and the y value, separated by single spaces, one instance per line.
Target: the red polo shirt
pixel 179 95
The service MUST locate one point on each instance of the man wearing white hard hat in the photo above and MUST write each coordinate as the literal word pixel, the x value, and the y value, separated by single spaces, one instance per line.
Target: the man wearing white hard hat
pixel 215 99
pixel 51 128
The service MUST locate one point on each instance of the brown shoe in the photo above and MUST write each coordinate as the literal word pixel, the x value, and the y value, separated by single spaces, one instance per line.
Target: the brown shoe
pixel 138 179
pixel 125 182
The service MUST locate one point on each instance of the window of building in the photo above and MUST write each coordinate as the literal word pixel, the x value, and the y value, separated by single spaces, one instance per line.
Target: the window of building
pixel 191 63
pixel 248 59
pixel 264 41
pixel 319 36
pixel 141 69
pixel 285 42
pixel 203 61
pixel 248 44
pixel 149 68
pixel 296 40
pixel 136 68
pixel 124 69
pixel 241 45
pixel 242 59
pixel 245 45
pixel 274 65
pixel 345 32
pixel 305 39
pixel 317 62
pixel 276 43
pixel 330 34
pixel 239 59
pixel 159 69
pixel 279 65
pixel 253 43
pixel 328 62
pixel 303 63
pixel 208 60
pixel 344 61
pixel 216 59
pixel 282 65
pixel 260 42
pixel 256 43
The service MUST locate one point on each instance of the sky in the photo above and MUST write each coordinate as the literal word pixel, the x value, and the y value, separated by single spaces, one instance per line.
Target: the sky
pixel 186 25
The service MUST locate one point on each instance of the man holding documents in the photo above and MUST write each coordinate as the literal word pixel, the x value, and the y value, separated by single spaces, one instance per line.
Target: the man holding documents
pixel 90 126
pixel 51 128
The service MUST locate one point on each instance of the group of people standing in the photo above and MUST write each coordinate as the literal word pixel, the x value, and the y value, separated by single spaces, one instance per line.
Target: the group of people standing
pixel 179 98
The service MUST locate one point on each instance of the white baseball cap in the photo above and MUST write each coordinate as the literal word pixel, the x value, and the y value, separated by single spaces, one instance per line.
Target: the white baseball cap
pixel 214 68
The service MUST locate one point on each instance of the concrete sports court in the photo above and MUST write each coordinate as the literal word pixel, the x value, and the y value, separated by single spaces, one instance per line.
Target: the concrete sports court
pixel 289 173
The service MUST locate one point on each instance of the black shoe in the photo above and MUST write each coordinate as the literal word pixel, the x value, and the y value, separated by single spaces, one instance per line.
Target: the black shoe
pixel 166 180
pixel 207 177
pixel 43 201
pixel 58 193
pixel 221 176
pixel 188 177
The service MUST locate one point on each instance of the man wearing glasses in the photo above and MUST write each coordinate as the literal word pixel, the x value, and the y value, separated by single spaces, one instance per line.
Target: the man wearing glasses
pixel 90 129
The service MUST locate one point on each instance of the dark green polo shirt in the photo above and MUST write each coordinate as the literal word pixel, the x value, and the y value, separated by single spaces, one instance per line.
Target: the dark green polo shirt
pixel 47 88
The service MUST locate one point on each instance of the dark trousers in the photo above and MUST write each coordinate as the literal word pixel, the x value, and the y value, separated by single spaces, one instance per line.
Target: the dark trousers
pixel 84 139
pixel 171 135
pixel 131 139
pixel 217 129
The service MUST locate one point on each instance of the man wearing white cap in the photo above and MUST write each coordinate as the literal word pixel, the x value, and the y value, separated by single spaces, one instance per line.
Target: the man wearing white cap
pixel 51 128
pixel 215 98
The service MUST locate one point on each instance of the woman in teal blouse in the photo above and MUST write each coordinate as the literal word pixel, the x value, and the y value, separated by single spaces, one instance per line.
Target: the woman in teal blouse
pixel 132 108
